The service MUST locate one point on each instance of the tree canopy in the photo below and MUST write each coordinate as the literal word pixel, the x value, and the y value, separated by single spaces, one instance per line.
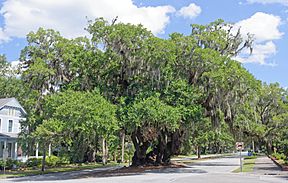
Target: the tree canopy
pixel 168 96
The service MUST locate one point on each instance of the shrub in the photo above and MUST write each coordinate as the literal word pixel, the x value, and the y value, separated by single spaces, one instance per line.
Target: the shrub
pixel 34 162
pixel 279 156
pixel 10 164
pixel 98 159
pixel 64 160
pixel 53 161
pixel 1 164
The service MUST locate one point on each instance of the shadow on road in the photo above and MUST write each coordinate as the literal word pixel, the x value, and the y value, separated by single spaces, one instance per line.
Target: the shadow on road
pixel 109 173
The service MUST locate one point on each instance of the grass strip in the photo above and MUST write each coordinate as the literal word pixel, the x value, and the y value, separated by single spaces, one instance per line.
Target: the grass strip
pixel 248 166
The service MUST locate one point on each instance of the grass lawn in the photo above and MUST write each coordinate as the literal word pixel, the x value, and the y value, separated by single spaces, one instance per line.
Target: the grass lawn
pixel 248 165
pixel 68 168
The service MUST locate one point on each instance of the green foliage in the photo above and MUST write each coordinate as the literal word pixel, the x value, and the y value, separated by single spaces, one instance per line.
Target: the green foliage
pixel 10 164
pixel 250 157
pixel 164 93
pixel 78 119
pixel 53 161
pixel 151 112
pixel 34 162
pixel 279 156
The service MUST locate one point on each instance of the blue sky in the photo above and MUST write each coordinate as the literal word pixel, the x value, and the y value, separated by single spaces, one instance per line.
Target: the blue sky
pixel 266 19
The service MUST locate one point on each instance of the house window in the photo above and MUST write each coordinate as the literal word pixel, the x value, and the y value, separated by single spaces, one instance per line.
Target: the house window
pixel 11 112
pixel 10 125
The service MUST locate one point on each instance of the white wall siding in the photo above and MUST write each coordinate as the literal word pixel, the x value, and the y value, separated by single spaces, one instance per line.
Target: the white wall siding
pixel 5 116
pixel 4 111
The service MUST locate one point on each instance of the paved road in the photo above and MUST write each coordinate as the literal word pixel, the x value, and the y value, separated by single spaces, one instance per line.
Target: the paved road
pixel 214 170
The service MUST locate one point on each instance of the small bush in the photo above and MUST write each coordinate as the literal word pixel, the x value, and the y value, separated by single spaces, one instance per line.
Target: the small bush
pixel 1 164
pixel 34 162
pixel 98 159
pixel 279 156
pixel 64 160
pixel 9 164
pixel 52 161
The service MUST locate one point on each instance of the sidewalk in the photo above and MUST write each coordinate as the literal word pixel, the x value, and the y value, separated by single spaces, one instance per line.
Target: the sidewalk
pixel 265 166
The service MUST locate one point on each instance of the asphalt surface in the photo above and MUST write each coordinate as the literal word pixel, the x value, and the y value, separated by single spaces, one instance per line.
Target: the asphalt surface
pixel 213 170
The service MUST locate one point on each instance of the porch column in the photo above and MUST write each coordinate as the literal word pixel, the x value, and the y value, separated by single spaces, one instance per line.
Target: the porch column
pixel 5 148
pixel 15 150
pixel 49 152
pixel 37 150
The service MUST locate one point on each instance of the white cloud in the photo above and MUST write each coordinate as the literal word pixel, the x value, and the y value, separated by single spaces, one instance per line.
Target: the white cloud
pixel 69 16
pixel 15 63
pixel 3 36
pixel 263 26
pixel 261 52
pixel 265 29
pixel 284 2
pixel 190 11
pixel 13 68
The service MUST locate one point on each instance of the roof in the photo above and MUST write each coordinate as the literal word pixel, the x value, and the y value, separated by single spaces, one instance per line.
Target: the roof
pixel 4 101
pixel 12 102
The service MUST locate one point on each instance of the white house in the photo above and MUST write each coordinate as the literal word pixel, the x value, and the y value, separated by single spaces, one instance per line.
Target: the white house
pixel 11 113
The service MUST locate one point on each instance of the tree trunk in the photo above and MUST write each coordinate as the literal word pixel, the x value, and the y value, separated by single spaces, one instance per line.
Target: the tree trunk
pixel 115 156
pixel 168 144
pixel 104 153
pixel 160 150
pixel 198 152
pixel 91 155
pixel 123 146
pixel 43 159
pixel 269 147
pixel 107 151
pixel 139 157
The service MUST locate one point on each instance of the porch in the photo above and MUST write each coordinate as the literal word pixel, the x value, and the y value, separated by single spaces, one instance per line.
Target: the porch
pixel 9 146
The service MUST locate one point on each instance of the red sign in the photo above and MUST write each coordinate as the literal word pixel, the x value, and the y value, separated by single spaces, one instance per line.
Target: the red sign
pixel 239 145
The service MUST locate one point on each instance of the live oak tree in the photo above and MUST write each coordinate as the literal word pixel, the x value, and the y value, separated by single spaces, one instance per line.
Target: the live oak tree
pixel 163 93
pixel 151 124
pixel 270 109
